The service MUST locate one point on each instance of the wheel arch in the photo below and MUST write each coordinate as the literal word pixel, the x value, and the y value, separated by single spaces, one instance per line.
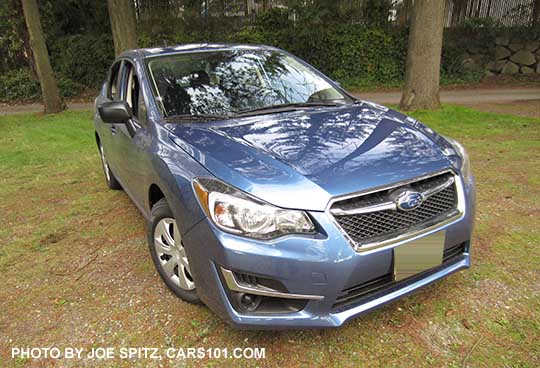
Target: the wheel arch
pixel 154 195
pixel 172 176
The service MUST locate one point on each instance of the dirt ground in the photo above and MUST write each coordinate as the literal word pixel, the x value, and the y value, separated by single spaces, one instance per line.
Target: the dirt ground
pixel 75 269
pixel 530 108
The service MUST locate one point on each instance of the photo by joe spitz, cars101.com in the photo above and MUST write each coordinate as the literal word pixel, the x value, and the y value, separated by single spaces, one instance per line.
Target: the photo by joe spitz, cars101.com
pixel 272 195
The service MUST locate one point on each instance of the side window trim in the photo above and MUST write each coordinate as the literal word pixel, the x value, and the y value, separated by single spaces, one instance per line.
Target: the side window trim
pixel 128 68
pixel 112 79
pixel 123 80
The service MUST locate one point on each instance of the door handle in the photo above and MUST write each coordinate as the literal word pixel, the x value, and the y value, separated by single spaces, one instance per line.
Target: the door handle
pixel 113 129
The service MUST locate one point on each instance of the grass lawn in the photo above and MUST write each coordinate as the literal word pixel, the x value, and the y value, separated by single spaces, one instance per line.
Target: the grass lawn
pixel 75 269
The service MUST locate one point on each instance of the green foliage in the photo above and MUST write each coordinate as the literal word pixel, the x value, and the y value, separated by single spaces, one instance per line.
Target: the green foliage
pixel 79 42
pixel 482 22
pixel 367 55
pixel 83 59
pixel 11 42
pixel 330 12
pixel 471 38
pixel 68 87
pixel 377 12
pixel 356 54
pixel 356 45
pixel 18 85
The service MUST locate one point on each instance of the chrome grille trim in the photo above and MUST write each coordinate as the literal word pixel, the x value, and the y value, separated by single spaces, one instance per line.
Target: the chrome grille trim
pixel 390 205
pixel 426 229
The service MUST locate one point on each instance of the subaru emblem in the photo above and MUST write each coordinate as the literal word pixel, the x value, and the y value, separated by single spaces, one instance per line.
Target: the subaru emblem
pixel 409 200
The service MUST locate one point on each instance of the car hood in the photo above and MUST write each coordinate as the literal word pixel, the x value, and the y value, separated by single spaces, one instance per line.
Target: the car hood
pixel 301 159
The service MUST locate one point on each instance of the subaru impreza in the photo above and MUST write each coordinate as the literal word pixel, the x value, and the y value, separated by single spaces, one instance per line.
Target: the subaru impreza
pixel 274 196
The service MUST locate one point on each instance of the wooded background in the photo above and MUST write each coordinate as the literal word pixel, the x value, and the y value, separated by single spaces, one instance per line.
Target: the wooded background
pixel 358 42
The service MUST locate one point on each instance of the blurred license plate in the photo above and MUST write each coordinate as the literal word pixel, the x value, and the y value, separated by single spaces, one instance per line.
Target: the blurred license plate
pixel 418 255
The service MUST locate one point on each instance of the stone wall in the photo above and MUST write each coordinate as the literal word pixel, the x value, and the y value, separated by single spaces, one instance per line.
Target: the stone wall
pixel 506 55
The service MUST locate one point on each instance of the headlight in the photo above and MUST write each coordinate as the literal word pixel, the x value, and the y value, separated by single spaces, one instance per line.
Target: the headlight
pixel 465 165
pixel 239 213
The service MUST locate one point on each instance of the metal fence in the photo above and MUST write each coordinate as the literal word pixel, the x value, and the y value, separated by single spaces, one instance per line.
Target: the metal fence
pixel 504 12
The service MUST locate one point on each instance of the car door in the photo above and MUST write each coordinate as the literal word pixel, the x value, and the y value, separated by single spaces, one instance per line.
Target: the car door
pixel 107 132
pixel 133 139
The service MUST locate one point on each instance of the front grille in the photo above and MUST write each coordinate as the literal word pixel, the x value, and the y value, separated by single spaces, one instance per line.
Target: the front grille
pixel 454 251
pixel 358 292
pixel 374 288
pixel 381 225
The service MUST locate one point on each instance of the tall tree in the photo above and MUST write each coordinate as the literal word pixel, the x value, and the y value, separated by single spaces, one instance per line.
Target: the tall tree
pixel 422 76
pixel 123 25
pixel 51 98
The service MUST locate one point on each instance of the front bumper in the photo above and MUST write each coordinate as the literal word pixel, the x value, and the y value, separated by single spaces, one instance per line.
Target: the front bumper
pixel 312 265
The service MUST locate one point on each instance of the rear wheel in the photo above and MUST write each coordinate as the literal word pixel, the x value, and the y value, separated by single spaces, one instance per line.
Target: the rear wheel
pixel 112 183
pixel 169 254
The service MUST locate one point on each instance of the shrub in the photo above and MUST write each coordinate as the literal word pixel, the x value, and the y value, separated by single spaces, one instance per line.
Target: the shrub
pixel 68 87
pixel 366 55
pixel 83 58
pixel 18 85
pixel 353 54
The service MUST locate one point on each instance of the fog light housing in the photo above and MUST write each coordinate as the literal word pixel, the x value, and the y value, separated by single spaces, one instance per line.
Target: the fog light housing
pixel 253 294
pixel 247 302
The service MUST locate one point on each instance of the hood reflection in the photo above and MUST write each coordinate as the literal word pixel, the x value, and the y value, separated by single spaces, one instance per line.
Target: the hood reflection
pixel 341 150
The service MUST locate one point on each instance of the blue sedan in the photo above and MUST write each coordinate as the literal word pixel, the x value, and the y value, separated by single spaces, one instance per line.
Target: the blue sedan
pixel 272 195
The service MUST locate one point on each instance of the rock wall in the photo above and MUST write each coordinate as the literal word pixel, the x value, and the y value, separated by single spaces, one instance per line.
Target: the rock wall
pixel 507 55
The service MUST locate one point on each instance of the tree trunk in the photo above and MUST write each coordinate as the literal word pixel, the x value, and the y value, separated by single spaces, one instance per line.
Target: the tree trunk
pixel 122 15
pixel 422 76
pixel 51 98
pixel 26 52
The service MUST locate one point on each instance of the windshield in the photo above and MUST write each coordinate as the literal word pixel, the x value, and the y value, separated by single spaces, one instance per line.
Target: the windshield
pixel 232 81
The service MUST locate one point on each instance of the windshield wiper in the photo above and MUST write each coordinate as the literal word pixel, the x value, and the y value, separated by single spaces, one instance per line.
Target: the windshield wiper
pixel 198 117
pixel 282 107
pixel 289 106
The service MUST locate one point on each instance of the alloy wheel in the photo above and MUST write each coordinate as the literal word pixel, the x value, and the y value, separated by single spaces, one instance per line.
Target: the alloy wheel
pixel 171 253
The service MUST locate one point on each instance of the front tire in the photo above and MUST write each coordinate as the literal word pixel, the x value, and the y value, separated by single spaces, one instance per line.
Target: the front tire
pixel 168 253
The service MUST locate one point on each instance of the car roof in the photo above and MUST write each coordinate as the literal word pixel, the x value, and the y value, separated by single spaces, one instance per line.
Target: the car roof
pixel 188 48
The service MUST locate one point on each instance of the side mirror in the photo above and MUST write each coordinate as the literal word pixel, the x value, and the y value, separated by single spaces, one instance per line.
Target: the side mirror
pixel 115 112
